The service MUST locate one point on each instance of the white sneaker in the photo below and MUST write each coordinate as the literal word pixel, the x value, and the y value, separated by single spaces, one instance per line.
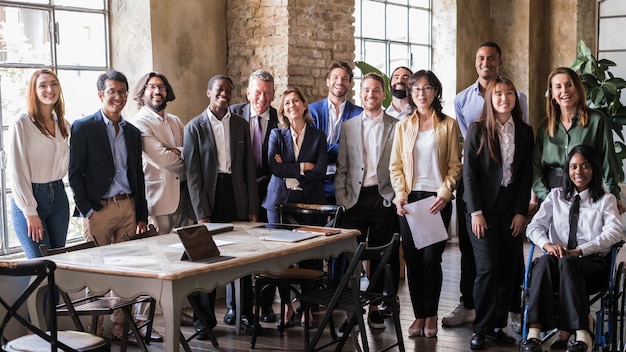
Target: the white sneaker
pixel 515 322
pixel 458 316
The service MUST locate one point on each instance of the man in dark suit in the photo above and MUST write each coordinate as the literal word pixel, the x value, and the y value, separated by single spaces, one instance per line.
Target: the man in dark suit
pixel 106 173
pixel 262 118
pixel 220 171
pixel 329 113
pixel 362 182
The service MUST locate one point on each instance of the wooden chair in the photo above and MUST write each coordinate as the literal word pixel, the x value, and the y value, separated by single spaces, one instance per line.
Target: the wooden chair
pixel 98 305
pixel 349 297
pixel 288 280
pixel 42 273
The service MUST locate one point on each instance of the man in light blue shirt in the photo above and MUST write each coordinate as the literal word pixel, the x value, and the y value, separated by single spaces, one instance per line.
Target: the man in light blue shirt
pixel 468 104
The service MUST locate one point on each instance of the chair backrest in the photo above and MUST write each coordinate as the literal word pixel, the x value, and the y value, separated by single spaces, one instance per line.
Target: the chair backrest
pixel 151 232
pixel 41 271
pixel 381 272
pixel 45 251
pixel 333 213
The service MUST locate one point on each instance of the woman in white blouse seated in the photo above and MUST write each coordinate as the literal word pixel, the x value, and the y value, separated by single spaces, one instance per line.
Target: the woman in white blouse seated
pixel 38 160
pixel 572 267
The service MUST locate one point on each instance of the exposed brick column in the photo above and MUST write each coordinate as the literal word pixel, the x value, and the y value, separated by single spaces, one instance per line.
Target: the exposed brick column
pixel 293 39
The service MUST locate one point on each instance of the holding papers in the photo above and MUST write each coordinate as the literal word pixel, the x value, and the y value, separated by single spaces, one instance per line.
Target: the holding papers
pixel 426 228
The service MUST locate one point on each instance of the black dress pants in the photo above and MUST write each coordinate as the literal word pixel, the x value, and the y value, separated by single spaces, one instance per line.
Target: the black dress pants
pixel 560 289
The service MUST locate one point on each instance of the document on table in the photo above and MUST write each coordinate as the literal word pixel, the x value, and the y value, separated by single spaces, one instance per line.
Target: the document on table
pixel 426 228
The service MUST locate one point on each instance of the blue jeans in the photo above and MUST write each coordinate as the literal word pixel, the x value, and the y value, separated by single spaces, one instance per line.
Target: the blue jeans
pixel 54 210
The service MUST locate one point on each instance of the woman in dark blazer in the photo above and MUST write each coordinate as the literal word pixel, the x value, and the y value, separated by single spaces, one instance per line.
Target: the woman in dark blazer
pixel 298 159
pixel 297 156
pixel 497 176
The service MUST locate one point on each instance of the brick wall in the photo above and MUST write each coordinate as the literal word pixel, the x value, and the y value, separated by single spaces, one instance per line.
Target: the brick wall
pixel 293 39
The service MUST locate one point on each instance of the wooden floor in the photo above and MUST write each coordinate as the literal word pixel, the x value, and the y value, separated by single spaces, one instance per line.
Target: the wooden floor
pixel 448 339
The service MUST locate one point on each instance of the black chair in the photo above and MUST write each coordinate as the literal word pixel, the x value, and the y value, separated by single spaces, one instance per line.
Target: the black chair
pixel 42 273
pixel 290 279
pixel 349 297
pixel 99 305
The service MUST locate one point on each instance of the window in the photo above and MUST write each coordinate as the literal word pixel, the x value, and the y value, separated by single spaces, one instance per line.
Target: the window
pixel 400 37
pixel 68 36
pixel 611 45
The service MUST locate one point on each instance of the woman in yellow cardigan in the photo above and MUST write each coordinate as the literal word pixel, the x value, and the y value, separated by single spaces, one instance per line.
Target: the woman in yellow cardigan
pixel 425 161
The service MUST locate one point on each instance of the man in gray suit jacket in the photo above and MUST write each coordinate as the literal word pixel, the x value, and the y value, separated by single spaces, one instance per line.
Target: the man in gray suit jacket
pixel 220 171
pixel 362 182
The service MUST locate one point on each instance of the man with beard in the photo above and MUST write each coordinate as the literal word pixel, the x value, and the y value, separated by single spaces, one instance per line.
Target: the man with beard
pixel 468 105
pixel 329 113
pixel 163 167
pixel 400 107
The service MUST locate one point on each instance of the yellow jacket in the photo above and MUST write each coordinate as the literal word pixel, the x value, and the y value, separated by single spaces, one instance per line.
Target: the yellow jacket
pixel 449 143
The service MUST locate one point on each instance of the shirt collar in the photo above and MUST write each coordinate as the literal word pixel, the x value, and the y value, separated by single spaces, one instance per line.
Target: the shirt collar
pixel 374 119
pixel 212 117
pixel 154 114
pixel 583 195
pixel 264 116
pixel 108 121
pixel 341 106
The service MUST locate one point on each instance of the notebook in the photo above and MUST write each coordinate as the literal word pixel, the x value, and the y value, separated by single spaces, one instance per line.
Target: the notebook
pixel 199 244
pixel 288 236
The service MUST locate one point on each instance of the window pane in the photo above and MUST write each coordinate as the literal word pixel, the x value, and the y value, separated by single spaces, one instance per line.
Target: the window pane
pixel 14 86
pixel 612 7
pixel 620 59
pixel 36 1
pixel 420 3
pixel 80 93
pixel 610 37
pixel 397 23
pixel 398 56
pixel 401 2
pixel 419 26
pixel 373 27
pixel 81 39
pixel 24 36
pixel 420 58
pixel 88 4
pixel 357 18
pixel 358 55
pixel 375 55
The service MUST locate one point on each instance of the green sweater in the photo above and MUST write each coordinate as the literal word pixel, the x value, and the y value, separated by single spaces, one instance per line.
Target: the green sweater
pixel 552 151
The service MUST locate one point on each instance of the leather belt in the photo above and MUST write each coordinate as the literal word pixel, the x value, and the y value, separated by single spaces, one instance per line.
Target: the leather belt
pixel 118 198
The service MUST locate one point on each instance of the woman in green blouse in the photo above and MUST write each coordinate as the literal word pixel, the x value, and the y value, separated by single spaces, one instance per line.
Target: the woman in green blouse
pixel 571 122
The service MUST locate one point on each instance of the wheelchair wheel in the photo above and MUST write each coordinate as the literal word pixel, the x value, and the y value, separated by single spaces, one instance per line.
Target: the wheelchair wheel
pixel 619 307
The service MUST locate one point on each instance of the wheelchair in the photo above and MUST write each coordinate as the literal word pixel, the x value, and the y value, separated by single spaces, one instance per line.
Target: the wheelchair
pixel 609 305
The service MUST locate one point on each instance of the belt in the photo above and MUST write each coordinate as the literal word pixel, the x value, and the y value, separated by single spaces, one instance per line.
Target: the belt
pixel 118 198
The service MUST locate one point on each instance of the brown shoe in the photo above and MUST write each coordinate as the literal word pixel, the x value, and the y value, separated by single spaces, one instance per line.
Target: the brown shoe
pixel 186 319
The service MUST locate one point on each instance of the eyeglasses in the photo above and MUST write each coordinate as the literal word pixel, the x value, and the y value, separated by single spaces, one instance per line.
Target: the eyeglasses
pixel 425 89
pixel 152 86
pixel 114 93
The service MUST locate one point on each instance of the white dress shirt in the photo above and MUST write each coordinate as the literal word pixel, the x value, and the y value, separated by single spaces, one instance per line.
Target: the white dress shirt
pixel 372 135
pixel 427 176
pixel 599 224
pixel 221 132
pixel 506 133
pixel 334 121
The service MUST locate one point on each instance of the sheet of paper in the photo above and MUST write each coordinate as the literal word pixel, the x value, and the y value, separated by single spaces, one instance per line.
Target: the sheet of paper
pixel 426 228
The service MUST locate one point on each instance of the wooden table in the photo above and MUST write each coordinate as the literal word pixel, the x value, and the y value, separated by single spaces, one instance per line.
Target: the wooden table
pixel 152 266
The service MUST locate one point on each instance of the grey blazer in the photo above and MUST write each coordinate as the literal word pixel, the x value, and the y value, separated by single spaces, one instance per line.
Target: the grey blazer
pixel 351 161
pixel 200 154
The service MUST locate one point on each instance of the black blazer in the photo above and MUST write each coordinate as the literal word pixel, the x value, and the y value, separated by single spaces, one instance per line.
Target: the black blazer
pixel 92 169
pixel 243 110
pixel 482 175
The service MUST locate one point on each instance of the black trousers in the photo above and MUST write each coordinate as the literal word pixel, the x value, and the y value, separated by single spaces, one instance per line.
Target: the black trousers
pixel 560 289
pixel 468 264
pixel 424 272
pixel 376 222
pixel 497 257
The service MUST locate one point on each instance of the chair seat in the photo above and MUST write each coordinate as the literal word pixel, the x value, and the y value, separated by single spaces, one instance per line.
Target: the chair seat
pixel 294 274
pixel 77 340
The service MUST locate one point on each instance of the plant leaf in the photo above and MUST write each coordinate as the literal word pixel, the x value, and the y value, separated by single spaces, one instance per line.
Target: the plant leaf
pixel 606 62
pixel 596 95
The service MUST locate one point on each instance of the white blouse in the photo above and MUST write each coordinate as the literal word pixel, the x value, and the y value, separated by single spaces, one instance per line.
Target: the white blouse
pixel 35 158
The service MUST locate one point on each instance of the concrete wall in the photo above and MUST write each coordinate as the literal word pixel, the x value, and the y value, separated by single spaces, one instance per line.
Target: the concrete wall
pixel 184 41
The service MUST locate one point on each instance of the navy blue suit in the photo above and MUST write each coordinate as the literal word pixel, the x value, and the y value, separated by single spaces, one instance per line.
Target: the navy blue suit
pixel 319 113
pixel 313 150
pixel 92 168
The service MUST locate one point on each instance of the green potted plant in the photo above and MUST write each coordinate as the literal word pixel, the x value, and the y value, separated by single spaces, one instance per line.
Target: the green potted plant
pixel 603 93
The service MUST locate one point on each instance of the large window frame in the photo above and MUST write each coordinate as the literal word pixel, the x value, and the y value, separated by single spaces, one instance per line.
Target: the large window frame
pixel 611 46
pixel 380 42
pixel 70 37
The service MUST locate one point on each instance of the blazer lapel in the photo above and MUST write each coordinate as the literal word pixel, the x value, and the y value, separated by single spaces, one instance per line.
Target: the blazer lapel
pixel 288 146
pixel 206 126
pixel 101 133
pixel 386 137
